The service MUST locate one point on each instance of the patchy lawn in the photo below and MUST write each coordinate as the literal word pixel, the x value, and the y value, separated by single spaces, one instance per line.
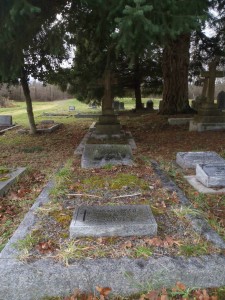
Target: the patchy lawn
pixel 44 154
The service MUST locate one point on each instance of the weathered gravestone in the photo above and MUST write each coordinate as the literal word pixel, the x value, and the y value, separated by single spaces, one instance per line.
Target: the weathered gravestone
pixel 190 159
pixel 124 220
pixel 47 122
pixel 121 106
pixel 5 120
pixel 116 105
pixel 211 174
pixel 209 117
pixel 71 108
pixel 221 100
pixel 149 104
pixel 99 155
pixel 179 121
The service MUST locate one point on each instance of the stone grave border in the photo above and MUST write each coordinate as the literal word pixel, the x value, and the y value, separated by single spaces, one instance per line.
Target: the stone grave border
pixel 51 129
pixel 54 127
pixel 192 180
pixel 6 184
pixel 46 277
pixel 9 128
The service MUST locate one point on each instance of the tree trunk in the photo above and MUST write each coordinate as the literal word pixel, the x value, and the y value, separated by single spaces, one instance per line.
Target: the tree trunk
pixel 175 76
pixel 137 85
pixel 137 90
pixel 26 91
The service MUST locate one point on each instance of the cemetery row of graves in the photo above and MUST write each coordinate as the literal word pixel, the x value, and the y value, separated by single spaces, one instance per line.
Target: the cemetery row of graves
pixel 172 208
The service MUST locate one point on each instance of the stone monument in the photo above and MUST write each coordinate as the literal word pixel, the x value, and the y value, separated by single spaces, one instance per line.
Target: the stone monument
pixel 209 117
pixel 221 100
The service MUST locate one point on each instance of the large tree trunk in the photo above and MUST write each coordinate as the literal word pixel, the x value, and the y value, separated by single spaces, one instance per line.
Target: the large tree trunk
pixel 175 76
pixel 137 91
pixel 137 85
pixel 26 91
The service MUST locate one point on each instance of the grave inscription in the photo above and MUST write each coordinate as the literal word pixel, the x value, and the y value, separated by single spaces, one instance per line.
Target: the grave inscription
pixel 124 220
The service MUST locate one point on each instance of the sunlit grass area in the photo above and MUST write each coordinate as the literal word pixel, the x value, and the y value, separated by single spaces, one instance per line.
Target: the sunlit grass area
pixel 19 113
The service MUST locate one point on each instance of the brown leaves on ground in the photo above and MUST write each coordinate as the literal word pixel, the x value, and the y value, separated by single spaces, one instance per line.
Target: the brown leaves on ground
pixel 179 292
pixel 78 295
pixel 158 242
pixel 46 247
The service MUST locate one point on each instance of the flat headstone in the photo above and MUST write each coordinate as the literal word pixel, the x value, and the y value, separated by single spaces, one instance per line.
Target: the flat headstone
pixel 71 108
pixel 47 122
pixel 6 120
pixel 79 115
pixel 211 175
pixel 124 220
pixel 99 155
pixel 190 159
pixel 13 176
pixel 179 121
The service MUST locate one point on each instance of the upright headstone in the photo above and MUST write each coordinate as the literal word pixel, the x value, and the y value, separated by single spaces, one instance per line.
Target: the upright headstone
pixel 211 174
pixel 209 117
pixel 116 105
pixel 121 106
pixel 149 104
pixel 124 220
pixel 190 159
pixel 221 100
pixel 6 120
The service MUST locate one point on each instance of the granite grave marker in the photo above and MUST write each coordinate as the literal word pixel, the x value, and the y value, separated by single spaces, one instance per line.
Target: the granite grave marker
pixel 191 159
pixel 211 174
pixel 123 220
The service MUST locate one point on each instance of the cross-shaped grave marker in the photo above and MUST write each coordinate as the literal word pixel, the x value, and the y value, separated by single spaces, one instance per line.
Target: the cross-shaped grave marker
pixel 107 100
pixel 209 81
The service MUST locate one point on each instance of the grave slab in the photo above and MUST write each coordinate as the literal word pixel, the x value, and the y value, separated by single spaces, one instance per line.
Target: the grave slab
pixel 211 175
pixel 190 159
pixel 179 121
pixel 198 186
pixel 125 220
pixel 99 155
pixel 6 184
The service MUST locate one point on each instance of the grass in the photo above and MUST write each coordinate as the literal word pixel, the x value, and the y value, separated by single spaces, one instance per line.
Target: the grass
pixel 46 153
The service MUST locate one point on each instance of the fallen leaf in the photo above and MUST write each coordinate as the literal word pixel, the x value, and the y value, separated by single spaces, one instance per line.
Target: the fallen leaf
pixel 180 286
pixel 45 247
pixel 104 291
pixel 127 244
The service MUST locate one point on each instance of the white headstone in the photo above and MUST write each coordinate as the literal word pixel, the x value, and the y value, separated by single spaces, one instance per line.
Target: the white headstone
pixel 211 175
pixel 190 159
pixel 71 108
pixel 124 220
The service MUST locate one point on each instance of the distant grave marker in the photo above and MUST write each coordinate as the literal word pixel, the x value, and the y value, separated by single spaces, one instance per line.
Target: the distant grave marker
pixel 191 159
pixel 71 108
pixel 221 100
pixel 124 220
